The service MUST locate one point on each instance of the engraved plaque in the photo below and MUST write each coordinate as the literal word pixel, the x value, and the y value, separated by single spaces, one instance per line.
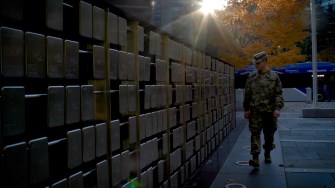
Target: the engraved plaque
pixel 125 164
pixel 12 110
pixel 143 156
pixel 99 62
pixel 54 14
pixel 16 165
pixel 88 143
pixel 61 184
pixel 116 170
pixel 144 178
pixel 72 104
pixel 71 59
pixel 12 50
pixel 123 65
pixel 152 46
pixel 140 39
pixel 102 174
pixel 153 96
pixel 159 121
pixel 142 126
pixel 55 63
pixel 161 70
pixel 131 66
pixel 179 93
pixel 114 131
pixel 35 55
pixel 85 19
pixel 98 23
pixel 122 31
pixel 165 144
pixel 101 139
pixel 148 125
pixel 87 102
pixel 76 180
pixel 114 63
pixel 123 99
pixel 132 129
pixel 160 169
pixel 39 160
pixel 56 96
pixel 12 9
pixel 74 149
pixel 154 122
pixel 164 120
pixel 131 98
pixel 141 66
pixel 113 28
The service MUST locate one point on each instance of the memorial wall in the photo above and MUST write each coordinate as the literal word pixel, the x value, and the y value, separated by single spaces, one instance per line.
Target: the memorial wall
pixel 92 98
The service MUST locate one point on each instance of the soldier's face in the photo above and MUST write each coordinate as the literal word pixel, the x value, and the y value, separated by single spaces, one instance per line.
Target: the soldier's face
pixel 261 66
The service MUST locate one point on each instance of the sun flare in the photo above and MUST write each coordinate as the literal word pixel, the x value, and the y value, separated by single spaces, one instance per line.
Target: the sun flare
pixel 210 6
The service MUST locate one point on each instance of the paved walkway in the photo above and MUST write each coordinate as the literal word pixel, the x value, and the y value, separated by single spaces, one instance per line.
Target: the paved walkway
pixel 304 156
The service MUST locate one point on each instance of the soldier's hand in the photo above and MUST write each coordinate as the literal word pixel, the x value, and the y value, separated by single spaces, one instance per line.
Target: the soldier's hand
pixel 246 114
pixel 276 113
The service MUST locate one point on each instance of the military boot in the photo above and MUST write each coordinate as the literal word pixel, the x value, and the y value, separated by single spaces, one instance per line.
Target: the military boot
pixel 255 161
pixel 267 157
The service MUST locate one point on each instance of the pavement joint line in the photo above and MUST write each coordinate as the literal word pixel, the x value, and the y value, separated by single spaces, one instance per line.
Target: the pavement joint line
pixel 295 129
pixel 310 170
pixel 313 141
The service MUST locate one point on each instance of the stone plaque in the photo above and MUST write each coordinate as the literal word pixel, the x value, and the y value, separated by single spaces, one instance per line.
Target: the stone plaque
pixel 132 129
pixel 148 125
pixel 113 28
pixel 153 96
pixel 99 62
pixel 54 14
pixel 85 19
pixel 71 59
pixel 16 165
pixel 101 139
pixel 131 98
pixel 123 99
pixel 72 104
pixel 125 165
pixel 114 63
pixel 116 170
pixel 39 160
pixel 98 23
pixel 12 50
pixel 88 134
pixel 35 55
pixel 76 180
pixel 142 125
pixel 123 65
pixel 87 102
pixel 12 110
pixel 102 174
pixel 74 149
pixel 55 63
pixel 114 131
pixel 56 96
pixel 161 70
pixel 122 31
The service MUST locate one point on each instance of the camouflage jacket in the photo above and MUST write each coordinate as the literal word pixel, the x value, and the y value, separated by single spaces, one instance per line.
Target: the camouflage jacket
pixel 263 92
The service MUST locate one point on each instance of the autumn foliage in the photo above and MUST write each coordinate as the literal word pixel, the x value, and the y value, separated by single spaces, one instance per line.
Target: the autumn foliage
pixel 274 26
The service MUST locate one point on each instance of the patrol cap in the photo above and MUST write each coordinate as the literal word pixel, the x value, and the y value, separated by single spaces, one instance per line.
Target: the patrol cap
pixel 259 57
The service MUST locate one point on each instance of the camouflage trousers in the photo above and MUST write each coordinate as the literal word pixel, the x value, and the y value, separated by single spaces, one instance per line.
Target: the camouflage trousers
pixel 259 121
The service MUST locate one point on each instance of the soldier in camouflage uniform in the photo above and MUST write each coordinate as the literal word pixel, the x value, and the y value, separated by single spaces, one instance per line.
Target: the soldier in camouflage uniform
pixel 262 103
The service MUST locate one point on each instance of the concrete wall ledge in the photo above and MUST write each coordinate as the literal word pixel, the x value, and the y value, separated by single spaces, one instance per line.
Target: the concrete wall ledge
pixel 318 112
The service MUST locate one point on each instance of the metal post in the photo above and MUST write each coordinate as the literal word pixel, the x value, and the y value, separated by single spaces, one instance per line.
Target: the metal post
pixel 314 54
